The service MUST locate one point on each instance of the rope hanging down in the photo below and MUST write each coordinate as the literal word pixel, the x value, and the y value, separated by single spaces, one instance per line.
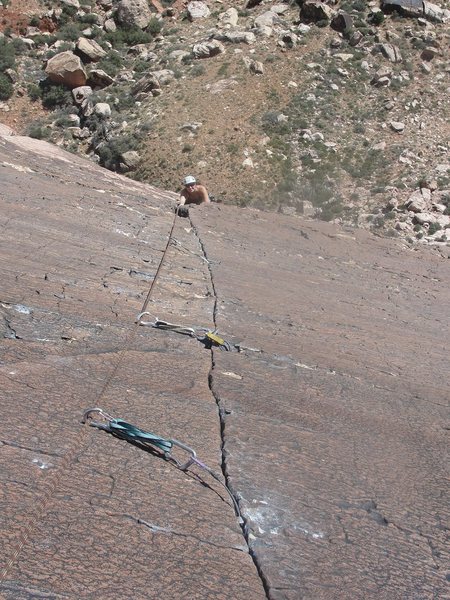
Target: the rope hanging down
pixel 126 431
pixel 37 513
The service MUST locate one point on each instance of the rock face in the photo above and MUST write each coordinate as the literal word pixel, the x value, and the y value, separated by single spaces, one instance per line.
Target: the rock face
pixel 329 423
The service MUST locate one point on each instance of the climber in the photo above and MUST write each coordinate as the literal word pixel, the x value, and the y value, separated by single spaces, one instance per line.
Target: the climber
pixel 193 192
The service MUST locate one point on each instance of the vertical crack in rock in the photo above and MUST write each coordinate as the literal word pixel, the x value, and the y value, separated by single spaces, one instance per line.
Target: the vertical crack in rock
pixel 244 523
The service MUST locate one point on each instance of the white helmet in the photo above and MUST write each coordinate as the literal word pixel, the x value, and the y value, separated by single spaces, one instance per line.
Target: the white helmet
pixel 189 180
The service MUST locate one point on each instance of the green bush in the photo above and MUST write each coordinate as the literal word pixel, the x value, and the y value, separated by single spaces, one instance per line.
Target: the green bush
pixel 128 36
pixel 55 95
pixel 38 132
pixel 359 5
pixel 197 70
pixel 67 15
pixel 433 228
pixel 110 152
pixel 63 121
pixel 89 19
pixel 34 92
pixel 154 27
pixel 19 46
pixel 6 87
pixel 377 18
pixel 70 32
pixel 40 40
pixel 7 55
pixel 111 63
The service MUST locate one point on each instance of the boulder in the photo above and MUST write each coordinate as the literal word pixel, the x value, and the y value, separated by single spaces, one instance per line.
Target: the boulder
pixel 99 78
pixel 236 37
pixel 66 68
pixel 110 26
pixel 133 13
pixel 102 110
pixel 12 75
pixel 429 53
pixel 397 126
pixel 267 19
pixel 129 160
pixel 164 76
pixel 382 77
pixel 82 93
pixel 208 49
pixel 312 12
pixel 341 22
pixel 254 66
pixel 72 3
pixel 147 84
pixel 389 51
pixel 90 49
pixel 423 218
pixel 288 39
pixel 355 38
pixel 417 202
pixel 229 18
pixel 197 10
pixel 436 13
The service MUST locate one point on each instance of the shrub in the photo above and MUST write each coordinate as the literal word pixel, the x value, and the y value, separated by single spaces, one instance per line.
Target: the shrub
pixel 40 40
pixel 55 95
pixel 378 221
pixel 111 63
pixel 6 87
pixel 377 18
pixel 129 36
pixel 222 71
pixel 359 5
pixel 37 131
pixel 63 121
pixel 67 15
pixel 154 27
pixel 110 152
pixel 34 92
pixel 433 228
pixel 19 46
pixel 7 55
pixel 197 70
pixel 69 32
pixel 89 19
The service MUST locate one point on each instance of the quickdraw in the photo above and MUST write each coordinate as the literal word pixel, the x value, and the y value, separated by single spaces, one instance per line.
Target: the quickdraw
pixel 130 433
pixel 204 335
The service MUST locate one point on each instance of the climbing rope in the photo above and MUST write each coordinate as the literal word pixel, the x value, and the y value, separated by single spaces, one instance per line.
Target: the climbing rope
pixel 126 431
pixel 36 515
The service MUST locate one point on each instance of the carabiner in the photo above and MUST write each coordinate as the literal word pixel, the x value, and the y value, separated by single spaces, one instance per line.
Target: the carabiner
pixel 100 411
pixel 190 461
pixel 139 318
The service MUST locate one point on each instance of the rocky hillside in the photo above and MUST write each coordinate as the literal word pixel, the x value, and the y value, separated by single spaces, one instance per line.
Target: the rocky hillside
pixel 337 110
